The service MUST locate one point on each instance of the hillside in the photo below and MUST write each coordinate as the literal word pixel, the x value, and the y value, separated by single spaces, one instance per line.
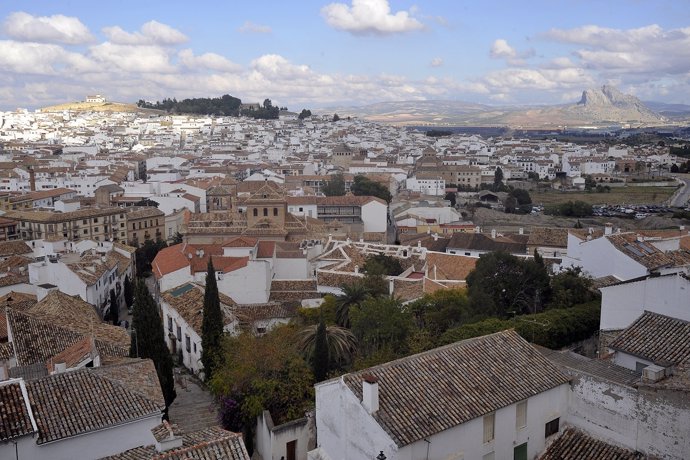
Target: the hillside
pixel 93 107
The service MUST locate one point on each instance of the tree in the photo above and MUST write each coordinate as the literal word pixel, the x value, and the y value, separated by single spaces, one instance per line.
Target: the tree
pixel 450 196
pixel 148 340
pixel 382 264
pixel 212 324
pixel 498 179
pixel 674 168
pixel 353 295
pixel 336 117
pixel 319 357
pixel 114 308
pixel 177 238
pixel 340 343
pixel 435 313
pixel 381 327
pixel 570 287
pixel 363 186
pixel 503 285
pixel 335 186
pixel 128 292
pixel 145 254
pixel 304 114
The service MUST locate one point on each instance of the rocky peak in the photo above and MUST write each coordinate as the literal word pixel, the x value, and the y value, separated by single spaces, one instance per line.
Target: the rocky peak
pixel 609 98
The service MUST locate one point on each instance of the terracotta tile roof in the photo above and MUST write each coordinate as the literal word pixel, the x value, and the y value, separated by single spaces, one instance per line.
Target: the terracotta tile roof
pixel 137 375
pixel 645 253
pixel 143 212
pixel 220 263
pixel 15 418
pixel 248 314
pixel 188 301
pixel 176 257
pixel 212 443
pixel 14 248
pixel 91 266
pixel 75 354
pixel 266 249
pixel 574 444
pixel 479 242
pixel 601 368
pixel 427 393
pixel 36 341
pixel 73 313
pixel 240 242
pixel 657 338
pixel 441 266
pixel 77 402
pixel 549 237
pixel 165 431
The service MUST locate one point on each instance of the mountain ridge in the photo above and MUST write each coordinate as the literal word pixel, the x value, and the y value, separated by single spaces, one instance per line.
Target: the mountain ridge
pixel 603 106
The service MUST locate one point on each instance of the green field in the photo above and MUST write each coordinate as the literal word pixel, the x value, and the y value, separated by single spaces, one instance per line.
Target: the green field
pixel 619 195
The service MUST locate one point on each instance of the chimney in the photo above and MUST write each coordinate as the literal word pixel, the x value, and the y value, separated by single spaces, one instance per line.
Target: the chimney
pixel 493 233
pixel 32 179
pixel 60 367
pixel 521 231
pixel 166 438
pixel 608 228
pixel 370 393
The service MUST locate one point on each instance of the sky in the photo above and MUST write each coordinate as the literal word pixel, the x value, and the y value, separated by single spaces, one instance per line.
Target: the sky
pixel 312 54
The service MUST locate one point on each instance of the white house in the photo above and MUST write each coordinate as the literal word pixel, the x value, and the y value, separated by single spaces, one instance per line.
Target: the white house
pixel 43 426
pixel 182 310
pixel 666 294
pixel 436 187
pixel 491 397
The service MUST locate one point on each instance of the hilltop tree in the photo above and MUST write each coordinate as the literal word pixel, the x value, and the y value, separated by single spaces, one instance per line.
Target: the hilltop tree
pixel 304 114
pixel 498 179
pixel 148 340
pixel 212 324
pixel 336 117
pixel 319 357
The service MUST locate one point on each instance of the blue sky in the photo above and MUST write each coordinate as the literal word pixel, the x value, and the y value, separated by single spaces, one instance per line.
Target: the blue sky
pixel 350 52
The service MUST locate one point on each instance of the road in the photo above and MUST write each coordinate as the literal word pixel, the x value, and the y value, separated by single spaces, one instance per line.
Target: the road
pixel 681 198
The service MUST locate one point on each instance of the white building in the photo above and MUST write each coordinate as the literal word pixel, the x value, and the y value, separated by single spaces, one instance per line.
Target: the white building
pixel 436 187
pixel 491 397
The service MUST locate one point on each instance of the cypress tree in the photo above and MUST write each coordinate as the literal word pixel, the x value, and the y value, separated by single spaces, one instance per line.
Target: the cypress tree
pixel 319 359
pixel 114 308
pixel 212 324
pixel 148 340
pixel 128 292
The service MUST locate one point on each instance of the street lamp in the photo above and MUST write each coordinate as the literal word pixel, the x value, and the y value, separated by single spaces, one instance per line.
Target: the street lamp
pixel 381 456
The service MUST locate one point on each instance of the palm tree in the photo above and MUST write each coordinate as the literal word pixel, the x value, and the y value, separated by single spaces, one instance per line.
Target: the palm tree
pixel 342 343
pixel 353 294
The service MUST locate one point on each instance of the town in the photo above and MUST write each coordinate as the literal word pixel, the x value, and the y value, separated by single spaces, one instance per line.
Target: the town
pixel 315 286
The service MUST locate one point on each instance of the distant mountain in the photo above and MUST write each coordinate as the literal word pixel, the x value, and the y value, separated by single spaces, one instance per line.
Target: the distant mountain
pixel 672 111
pixel 597 107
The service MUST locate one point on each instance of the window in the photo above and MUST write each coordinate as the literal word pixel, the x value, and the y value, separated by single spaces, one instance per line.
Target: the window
pixel 179 333
pixel 301 209
pixel 122 224
pixel 489 422
pixel 275 212
pixel 169 324
pixel 187 343
pixel 134 226
pixel 83 221
pixel 95 229
pixel 95 220
pixel 551 428
pixel 520 452
pixel 256 212
pixel 521 415
pixel 86 231
pixel 265 212
pixel 195 348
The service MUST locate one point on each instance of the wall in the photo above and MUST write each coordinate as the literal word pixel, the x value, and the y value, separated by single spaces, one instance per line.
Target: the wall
pixel 250 284
pixel 374 217
pixel 622 304
pixel 346 430
pixel 91 445
pixel 271 441
pixel 598 258
pixel 653 421
pixel 291 269
pixel 174 279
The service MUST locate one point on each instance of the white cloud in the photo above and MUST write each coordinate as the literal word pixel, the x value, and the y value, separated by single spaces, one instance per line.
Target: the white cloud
pixel 436 62
pixel 649 50
pixel 132 58
pixel 151 33
pixel 52 29
pixel 210 61
pixel 251 28
pixel 502 50
pixel 369 17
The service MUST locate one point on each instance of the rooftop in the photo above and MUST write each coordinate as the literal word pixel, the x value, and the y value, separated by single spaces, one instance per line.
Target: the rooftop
pixel 433 391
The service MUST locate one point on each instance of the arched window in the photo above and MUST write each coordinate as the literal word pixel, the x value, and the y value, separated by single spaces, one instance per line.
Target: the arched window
pixel 256 212
pixel 265 212
pixel 275 211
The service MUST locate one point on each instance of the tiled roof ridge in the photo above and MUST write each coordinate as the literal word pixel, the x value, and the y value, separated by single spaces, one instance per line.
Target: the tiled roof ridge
pixel 104 373
pixel 184 450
